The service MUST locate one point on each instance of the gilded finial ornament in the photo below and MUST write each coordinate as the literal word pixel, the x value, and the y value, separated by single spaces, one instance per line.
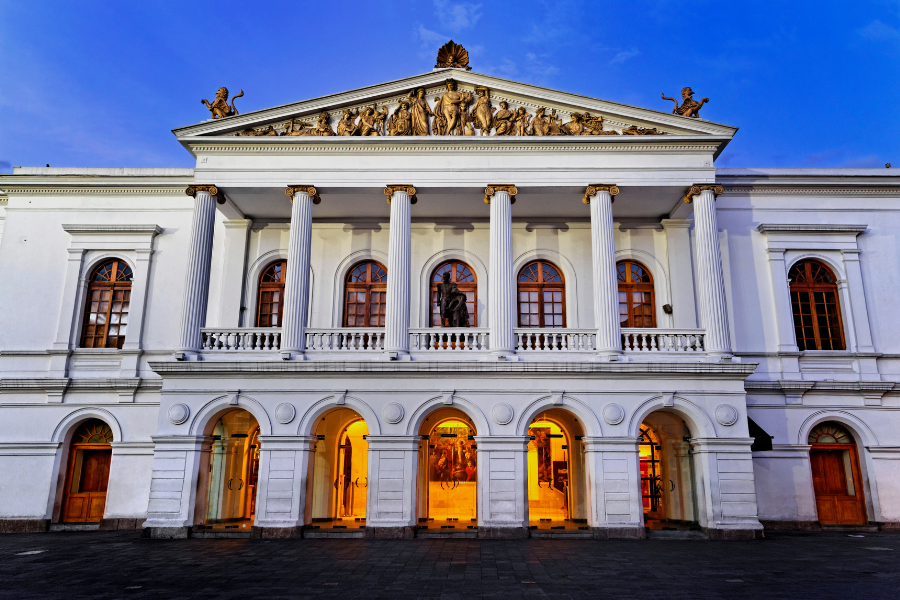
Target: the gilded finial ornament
pixel 219 107
pixel 689 107
pixel 410 191
pixel 311 191
pixel 699 187
pixel 493 189
pixel 452 56
pixel 635 130
pixel 592 190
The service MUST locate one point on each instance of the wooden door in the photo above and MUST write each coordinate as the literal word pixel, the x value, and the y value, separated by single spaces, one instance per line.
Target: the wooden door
pixel 836 481
pixel 87 480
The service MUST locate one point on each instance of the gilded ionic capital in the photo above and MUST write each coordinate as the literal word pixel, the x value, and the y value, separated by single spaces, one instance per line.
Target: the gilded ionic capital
pixel 410 191
pixel 310 191
pixel 494 188
pixel 211 189
pixel 592 190
pixel 715 188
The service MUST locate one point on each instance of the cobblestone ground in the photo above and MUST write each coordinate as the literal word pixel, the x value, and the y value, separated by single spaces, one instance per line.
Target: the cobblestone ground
pixel 104 565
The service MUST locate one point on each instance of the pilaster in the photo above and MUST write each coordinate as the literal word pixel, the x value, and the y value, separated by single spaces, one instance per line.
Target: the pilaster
pixel 614 490
pixel 284 466
pixel 502 486
pixel 231 293
pixel 681 272
pixel 391 504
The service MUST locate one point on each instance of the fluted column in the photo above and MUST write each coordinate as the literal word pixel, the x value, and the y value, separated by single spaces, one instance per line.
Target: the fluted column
pixel 606 287
pixel 196 280
pixel 396 319
pixel 710 282
pixel 502 288
pixel 296 282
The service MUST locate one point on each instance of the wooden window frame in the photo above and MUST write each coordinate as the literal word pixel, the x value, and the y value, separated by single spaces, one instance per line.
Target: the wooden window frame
pixel 271 286
pixel 464 287
pixel 810 288
pixel 540 286
pixel 368 287
pixel 629 287
pixel 113 286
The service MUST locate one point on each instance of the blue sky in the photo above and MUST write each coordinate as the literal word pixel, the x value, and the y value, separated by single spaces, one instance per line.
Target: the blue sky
pixel 101 84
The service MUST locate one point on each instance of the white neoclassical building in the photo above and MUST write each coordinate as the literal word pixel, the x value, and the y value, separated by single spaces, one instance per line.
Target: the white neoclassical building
pixel 489 309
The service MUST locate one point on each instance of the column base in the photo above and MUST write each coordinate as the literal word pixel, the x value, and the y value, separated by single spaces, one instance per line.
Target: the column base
pixel 610 357
pixel 390 533
pixel 275 533
pixel 292 355
pixel 397 355
pixel 502 355
pixel 186 355
pixel 24 525
pixel 733 534
pixel 619 533
pixel 166 533
pixel 502 533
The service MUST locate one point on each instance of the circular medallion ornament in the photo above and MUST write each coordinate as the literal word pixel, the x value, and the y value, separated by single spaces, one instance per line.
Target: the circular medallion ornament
pixel 392 413
pixel 285 413
pixel 502 413
pixel 179 413
pixel 726 414
pixel 613 413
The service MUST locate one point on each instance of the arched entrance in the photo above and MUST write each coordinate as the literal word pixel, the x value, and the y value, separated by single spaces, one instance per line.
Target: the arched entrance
pixel 448 471
pixel 87 473
pixel 233 472
pixel 836 478
pixel 667 473
pixel 556 483
pixel 340 478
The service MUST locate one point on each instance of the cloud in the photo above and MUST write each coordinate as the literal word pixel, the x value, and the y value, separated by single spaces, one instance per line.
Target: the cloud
pixel 5 167
pixel 876 31
pixel 507 68
pixel 623 56
pixel 458 16
pixel 430 39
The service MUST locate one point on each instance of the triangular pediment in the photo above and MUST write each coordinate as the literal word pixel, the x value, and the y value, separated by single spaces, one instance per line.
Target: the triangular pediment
pixel 550 111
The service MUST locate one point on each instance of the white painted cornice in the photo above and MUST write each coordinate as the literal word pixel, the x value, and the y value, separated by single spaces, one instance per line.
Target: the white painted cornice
pixel 779 227
pixel 499 87
pixel 806 181
pixel 107 229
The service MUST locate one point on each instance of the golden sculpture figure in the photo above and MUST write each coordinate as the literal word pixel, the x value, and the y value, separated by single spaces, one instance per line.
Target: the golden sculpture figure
pixel 466 115
pixel 420 111
pixel 368 121
pixel 555 125
pixel 575 126
pixel 483 113
pixel 635 130
pixel 219 107
pixel 268 131
pixel 523 121
pixel 689 107
pixel 347 124
pixel 400 123
pixel 448 107
pixel 539 123
pixel 452 55
pixel 322 128
pixel 380 119
pixel 503 120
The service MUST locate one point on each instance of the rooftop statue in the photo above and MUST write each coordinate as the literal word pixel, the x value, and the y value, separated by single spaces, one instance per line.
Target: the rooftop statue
pixel 219 107
pixel 689 107
pixel 452 55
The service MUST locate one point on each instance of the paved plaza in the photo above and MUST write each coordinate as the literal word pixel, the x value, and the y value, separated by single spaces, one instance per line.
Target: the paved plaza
pixel 103 565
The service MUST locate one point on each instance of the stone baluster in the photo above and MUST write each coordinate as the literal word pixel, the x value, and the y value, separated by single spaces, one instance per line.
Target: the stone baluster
pixel 710 282
pixel 196 280
pixel 396 320
pixel 606 286
pixel 296 282
pixel 502 298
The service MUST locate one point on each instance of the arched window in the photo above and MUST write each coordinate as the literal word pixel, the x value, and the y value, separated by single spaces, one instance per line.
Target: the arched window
pixel 464 278
pixel 365 294
pixel 817 312
pixel 542 295
pixel 106 313
pixel 270 305
pixel 637 307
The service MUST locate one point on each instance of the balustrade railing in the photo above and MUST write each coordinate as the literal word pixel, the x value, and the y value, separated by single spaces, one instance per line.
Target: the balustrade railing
pixel 445 339
pixel 559 340
pixel 345 339
pixel 250 340
pixel 638 339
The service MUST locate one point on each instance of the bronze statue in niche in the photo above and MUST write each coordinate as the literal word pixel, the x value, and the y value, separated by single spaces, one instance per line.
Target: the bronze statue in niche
pixel 689 107
pixel 452 302
pixel 219 107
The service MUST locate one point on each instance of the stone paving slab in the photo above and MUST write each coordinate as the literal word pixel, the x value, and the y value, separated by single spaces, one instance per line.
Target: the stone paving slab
pixel 120 564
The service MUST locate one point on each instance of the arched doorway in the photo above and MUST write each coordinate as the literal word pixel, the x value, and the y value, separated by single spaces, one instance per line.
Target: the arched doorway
pixel 340 478
pixel 448 471
pixel 87 473
pixel 232 472
pixel 556 482
pixel 836 478
pixel 667 477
